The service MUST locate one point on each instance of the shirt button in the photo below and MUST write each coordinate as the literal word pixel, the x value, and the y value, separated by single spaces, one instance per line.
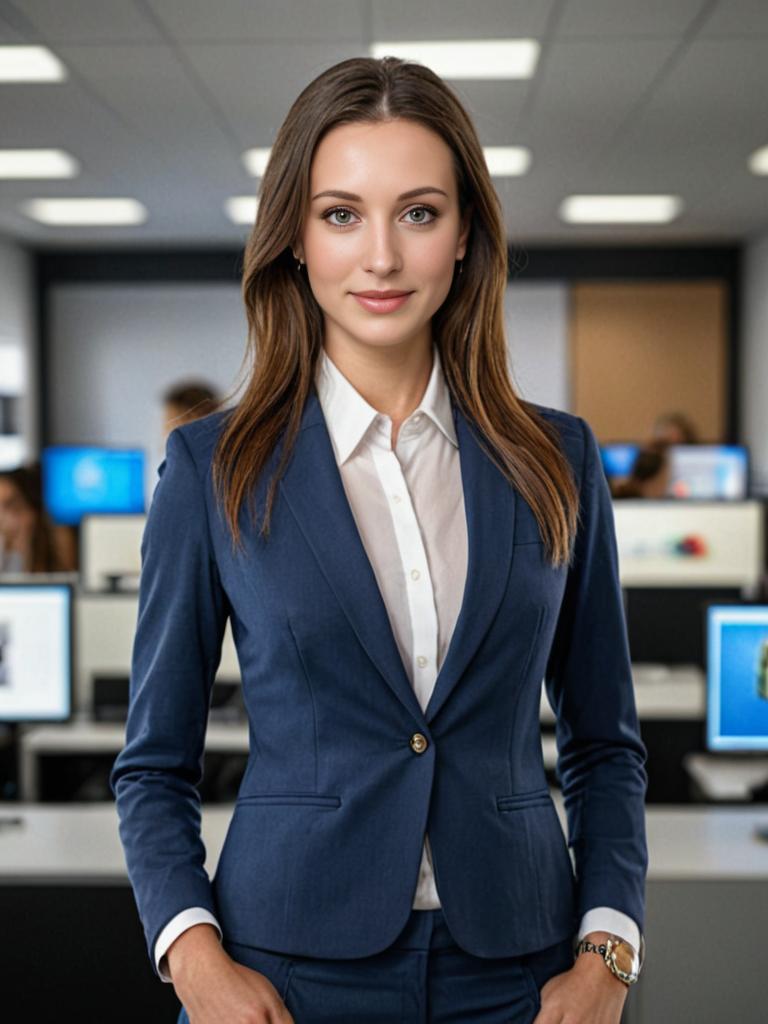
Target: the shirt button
pixel 421 661
pixel 417 417
pixel 395 497
pixel 419 743
pixel 415 574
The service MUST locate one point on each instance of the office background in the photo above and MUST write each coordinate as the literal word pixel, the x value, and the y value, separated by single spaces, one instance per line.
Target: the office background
pixel 168 104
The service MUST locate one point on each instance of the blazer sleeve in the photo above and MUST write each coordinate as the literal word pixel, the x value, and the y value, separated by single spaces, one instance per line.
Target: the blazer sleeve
pixel 182 615
pixel 601 756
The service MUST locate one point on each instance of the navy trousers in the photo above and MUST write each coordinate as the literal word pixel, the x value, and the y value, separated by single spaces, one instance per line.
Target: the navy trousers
pixel 422 978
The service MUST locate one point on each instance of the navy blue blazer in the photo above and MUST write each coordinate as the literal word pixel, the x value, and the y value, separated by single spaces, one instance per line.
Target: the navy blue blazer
pixel 323 849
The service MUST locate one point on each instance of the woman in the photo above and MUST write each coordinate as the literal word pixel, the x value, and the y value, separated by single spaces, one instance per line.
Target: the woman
pixel 404 548
pixel 29 541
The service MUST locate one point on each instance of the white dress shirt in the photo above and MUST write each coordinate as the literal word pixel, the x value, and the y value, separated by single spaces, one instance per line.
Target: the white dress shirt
pixel 408 504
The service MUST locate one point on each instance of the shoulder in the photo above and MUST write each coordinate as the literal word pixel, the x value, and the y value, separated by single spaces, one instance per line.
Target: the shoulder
pixel 199 438
pixel 574 432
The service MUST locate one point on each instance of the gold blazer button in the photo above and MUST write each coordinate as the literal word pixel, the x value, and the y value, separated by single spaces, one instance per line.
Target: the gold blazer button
pixel 419 743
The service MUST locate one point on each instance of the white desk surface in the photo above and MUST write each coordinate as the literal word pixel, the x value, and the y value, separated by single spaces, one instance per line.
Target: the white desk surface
pixel 89 737
pixel 79 843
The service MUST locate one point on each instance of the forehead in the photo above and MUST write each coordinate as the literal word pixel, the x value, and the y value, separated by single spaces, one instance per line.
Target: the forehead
pixel 387 155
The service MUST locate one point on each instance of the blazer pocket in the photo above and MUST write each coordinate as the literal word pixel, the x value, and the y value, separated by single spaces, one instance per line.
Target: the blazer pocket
pixel 531 798
pixel 318 799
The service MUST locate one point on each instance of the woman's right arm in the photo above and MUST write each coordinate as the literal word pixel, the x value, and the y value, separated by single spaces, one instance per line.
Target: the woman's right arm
pixel 182 616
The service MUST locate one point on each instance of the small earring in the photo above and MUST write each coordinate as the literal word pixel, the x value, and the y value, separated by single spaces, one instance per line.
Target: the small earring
pixel 461 265
pixel 298 263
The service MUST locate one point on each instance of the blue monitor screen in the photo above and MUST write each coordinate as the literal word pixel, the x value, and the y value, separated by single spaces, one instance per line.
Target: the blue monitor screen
pixel 737 677
pixel 79 480
pixel 618 459
pixel 708 472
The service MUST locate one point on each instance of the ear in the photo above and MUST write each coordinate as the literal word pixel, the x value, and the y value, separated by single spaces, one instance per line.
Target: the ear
pixel 466 225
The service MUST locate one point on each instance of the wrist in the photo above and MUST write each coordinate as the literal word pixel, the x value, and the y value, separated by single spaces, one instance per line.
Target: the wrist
pixel 198 941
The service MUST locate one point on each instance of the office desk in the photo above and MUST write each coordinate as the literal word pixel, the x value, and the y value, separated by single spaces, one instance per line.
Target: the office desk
pixel 662 694
pixel 707 904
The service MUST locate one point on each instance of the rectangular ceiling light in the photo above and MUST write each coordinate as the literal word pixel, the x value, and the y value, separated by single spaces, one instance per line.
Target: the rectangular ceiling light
pixel 37 163
pixel 255 160
pixel 30 64
pixel 85 211
pixel 620 209
pixel 242 209
pixel 507 161
pixel 468 59
pixel 758 162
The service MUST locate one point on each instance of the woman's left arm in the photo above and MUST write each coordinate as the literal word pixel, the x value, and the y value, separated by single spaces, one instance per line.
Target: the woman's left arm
pixel 601 755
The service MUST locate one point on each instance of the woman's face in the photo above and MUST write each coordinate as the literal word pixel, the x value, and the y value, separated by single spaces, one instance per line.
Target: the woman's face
pixel 380 241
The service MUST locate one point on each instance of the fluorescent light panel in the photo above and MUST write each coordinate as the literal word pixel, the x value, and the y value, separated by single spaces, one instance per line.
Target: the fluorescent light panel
pixel 255 160
pixel 37 163
pixel 30 64
pixel 507 161
pixel 758 162
pixel 85 211
pixel 628 209
pixel 241 209
pixel 467 59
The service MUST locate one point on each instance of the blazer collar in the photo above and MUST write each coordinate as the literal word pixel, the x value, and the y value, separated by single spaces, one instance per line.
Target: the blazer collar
pixel 314 492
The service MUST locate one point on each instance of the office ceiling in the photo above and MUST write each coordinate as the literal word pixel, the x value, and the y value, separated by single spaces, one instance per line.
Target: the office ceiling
pixel 630 96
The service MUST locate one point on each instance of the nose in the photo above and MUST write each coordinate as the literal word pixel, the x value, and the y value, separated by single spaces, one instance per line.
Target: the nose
pixel 382 251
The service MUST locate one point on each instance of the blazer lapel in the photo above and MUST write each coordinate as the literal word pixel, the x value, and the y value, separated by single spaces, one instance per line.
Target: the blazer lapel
pixel 313 489
pixel 489 504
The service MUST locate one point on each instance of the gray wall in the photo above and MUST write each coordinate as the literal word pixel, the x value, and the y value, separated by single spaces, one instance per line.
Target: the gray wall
pixel 115 348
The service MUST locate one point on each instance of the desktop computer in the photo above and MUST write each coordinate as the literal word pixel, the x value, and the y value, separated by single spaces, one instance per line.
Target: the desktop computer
pixel 737 683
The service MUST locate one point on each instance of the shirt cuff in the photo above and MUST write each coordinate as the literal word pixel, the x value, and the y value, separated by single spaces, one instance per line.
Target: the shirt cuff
pixel 606 919
pixel 178 924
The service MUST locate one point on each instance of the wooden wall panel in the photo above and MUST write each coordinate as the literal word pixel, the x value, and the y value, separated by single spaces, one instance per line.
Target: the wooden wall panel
pixel 640 349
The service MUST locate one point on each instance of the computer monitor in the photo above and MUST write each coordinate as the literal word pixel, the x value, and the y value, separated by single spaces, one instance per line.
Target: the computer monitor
pixel 110 551
pixel 36 629
pixel 708 471
pixel 705 472
pixel 82 479
pixel 737 677
pixel 618 459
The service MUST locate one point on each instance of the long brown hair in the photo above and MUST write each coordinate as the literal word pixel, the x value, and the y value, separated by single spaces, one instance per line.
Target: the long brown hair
pixel 286 323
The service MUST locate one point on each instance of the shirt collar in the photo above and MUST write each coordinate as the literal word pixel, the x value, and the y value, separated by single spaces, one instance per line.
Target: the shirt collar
pixel 349 417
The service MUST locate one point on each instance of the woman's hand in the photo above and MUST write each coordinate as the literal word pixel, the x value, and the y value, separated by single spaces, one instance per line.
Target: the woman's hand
pixel 588 993
pixel 215 989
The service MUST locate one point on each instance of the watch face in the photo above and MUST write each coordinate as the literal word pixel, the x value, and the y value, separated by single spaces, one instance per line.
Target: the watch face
pixel 624 957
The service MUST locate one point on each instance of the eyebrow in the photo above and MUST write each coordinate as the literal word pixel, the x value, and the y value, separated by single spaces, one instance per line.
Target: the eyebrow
pixel 338 194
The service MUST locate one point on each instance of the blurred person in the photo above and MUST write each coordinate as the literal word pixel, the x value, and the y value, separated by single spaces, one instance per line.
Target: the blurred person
pixel 675 428
pixel 29 540
pixel 404 548
pixel 187 401
pixel 649 476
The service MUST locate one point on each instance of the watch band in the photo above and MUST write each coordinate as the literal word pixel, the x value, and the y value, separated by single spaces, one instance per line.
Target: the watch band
pixel 614 952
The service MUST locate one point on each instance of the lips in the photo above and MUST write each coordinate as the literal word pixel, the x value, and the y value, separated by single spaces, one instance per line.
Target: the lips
pixel 381 295
pixel 378 303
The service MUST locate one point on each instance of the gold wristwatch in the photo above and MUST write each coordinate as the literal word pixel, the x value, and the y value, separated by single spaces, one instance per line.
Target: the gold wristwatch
pixel 622 958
